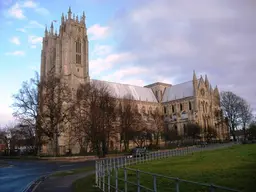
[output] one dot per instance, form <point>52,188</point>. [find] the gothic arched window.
<point>190,106</point>
<point>165,110</point>
<point>173,109</point>
<point>78,52</point>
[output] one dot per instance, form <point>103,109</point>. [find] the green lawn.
<point>233,167</point>
<point>85,184</point>
<point>72,172</point>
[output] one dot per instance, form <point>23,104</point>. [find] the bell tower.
<point>66,52</point>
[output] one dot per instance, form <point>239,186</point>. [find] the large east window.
<point>78,52</point>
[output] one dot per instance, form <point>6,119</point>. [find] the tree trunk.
<point>157,139</point>
<point>56,146</point>
<point>126,145</point>
<point>244,130</point>
<point>104,148</point>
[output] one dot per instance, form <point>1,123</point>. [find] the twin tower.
<point>66,53</point>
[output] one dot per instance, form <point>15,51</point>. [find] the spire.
<point>206,81</point>
<point>194,75</point>
<point>52,29</point>
<point>45,31</point>
<point>216,90</point>
<point>77,18</point>
<point>83,17</point>
<point>62,18</point>
<point>69,13</point>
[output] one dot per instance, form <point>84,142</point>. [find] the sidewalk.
<point>60,184</point>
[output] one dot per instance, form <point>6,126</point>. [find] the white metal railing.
<point>111,173</point>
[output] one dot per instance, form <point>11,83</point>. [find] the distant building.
<point>193,101</point>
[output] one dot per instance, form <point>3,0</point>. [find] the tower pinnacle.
<point>52,29</point>
<point>69,13</point>
<point>45,31</point>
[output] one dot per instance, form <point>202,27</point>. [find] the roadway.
<point>16,177</point>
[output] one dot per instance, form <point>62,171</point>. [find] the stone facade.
<point>195,101</point>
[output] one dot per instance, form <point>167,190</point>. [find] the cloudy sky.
<point>138,42</point>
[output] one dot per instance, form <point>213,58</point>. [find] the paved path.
<point>60,184</point>
<point>15,178</point>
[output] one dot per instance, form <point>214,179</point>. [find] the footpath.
<point>60,183</point>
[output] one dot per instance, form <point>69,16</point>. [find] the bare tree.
<point>158,124</point>
<point>211,133</point>
<point>193,130</point>
<point>3,137</point>
<point>245,115</point>
<point>55,103</point>
<point>231,106</point>
<point>26,107</point>
<point>95,116</point>
<point>171,135</point>
<point>129,118</point>
<point>141,131</point>
<point>252,131</point>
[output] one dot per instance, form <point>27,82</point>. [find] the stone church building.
<point>192,101</point>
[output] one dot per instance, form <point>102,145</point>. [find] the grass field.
<point>72,172</point>
<point>233,167</point>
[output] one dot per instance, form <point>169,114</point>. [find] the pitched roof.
<point>178,91</point>
<point>119,91</point>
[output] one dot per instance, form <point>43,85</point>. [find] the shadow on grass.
<point>85,184</point>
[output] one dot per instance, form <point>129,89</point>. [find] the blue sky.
<point>137,42</point>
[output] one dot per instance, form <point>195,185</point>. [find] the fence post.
<point>211,188</point>
<point>108,180</point>
<point>125,179</point>
<point>154,180</point>
<point>116,178</point>
<point>103,176</point>
<point>177,185</point>
<point>138,180</point>
<point>125,161</point>
<point>96,173</point>
<point>99,178</point>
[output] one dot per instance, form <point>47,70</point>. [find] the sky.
<point>137,42</point>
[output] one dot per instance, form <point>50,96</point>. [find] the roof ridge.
<point>182,83</point>
<point>122,83</point>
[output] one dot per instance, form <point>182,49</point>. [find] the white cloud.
<point>16,53</point>
<point>29,4</point>
<point>21,30</point>
<point>100,50</point>
<point>36,7</point>
<point>34,24</point>
<point>102,64</point>
<point>128,76</point>
<point>33,46</point>
<point>15,40</point>
<point>33,40</point>
<point>97,31</point>
<point>16,11</point>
